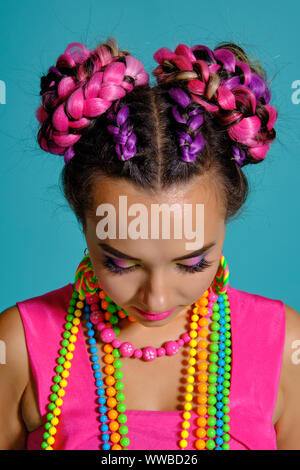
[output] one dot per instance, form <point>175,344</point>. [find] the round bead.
<point>121,407</point>
<point>203,344</point>
<point>110,380</point>
<point>201,422</point>
<point>193,343</point>
<point>203,333</point>
<point>125,441</point>
<point>123,429</point>
<point>126,349</point>
<point>212,410</point>
<point>211,432</point>
<point>202,388</point>
<point>200,444</point>
<point>202,399</point>
<point>202,377</point>
<point>200,432</point>
<point>122,418</point>
<point>202,366</point>
<point>112,414</point>
<point>116,343</point>
<point>110,391</point>
<point>108,359</point>
<point>119,386</point>
<point>107,335</point>
<point>109,370</point>
<point>202,410</point>
<point>149,353</point>
<point>113,425</point>
<point>107,348</point>
<point>120,396</point>
<point>115,437</point>
<point>138,353</point>
<point>210,444</point>
<point>171,348</point>
<point>211,421</point>
<point>183,443</point>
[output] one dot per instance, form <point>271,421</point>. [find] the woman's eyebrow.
<point>119,254</point>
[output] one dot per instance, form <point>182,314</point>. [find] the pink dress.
<point>258,333</point>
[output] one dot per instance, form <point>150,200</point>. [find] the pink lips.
<point>155,316</point>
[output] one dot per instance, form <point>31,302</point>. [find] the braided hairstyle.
<point>208,113</point>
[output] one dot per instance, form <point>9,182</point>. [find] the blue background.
<point>40,239</point>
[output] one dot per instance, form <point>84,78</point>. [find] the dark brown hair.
<point>157,164</point>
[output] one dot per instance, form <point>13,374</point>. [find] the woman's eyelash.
<point>200,266</point>
<point>111,266</point>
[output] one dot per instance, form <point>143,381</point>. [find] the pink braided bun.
<point>240,103</point>
<point>82,86</point>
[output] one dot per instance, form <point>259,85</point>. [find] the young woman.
<point>150,347</point>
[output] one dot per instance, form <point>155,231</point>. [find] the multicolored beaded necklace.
<point>213,370</point>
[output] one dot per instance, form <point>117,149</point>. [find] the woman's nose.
<point>156,293</point>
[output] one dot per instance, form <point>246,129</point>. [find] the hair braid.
<point>227,88</point>
<point>82,86</point>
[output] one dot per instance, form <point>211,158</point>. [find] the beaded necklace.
<point>103,315</point>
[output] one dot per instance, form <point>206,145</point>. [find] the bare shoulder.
<point>13,337</point>
<point>288,425</point>
<point>14,375</point>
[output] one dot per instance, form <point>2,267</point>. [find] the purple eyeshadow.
<point>195,260</point>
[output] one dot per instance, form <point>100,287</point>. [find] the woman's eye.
<point>111,266</point>
<point>195,268</point>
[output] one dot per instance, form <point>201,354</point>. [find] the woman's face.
<point>151,277</point>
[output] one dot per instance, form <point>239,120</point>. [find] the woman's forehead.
<point>200,191</point>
